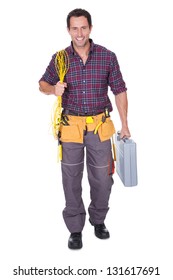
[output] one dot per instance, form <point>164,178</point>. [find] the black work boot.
<point>75,240</point>
<point>100,230</point>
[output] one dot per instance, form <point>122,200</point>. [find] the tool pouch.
<point>71,133</point>
<point>106,130</point>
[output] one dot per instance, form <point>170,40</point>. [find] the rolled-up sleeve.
<point>115,79</point>
<point>50,76</point>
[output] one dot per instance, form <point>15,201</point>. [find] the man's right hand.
<point>60,88</point>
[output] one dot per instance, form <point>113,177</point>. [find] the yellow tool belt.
<point>74,131</point>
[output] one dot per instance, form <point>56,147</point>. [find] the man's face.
<point>79,31</point>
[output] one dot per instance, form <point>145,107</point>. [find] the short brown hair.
<point>79,13</point>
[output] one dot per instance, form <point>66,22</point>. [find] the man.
<point>86,108</point>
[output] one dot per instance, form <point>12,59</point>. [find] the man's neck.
<point>83,51</point>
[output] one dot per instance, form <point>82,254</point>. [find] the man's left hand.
<point>125,133</point>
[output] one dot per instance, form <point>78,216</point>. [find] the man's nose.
<point>79,32</point>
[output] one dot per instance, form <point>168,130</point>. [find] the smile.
<point>80,39</point>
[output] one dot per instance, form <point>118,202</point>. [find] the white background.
<point>140,218</point>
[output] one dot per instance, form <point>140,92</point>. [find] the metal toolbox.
<point>126,161</point>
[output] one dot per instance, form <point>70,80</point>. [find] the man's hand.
<point>125,133</point>
<point>60,88</point>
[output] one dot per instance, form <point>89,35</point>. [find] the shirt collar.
<point>91,47</point>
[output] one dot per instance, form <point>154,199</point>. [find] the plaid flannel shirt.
<point>87,84</point>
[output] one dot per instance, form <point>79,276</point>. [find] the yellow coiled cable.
<point>62,66</point>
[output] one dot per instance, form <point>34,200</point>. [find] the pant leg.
<point>72,172</point>
<point>99,167</point>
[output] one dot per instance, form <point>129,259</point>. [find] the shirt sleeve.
<point>50,76</point>
<point>115,79</point>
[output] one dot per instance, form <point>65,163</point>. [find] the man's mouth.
<point>80,39</point>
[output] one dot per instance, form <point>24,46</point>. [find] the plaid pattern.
<point>87,90</point>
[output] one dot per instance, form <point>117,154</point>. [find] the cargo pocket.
<point>106,130</point>
<point>71,133</point>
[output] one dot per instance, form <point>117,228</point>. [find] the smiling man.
<point>88,128</point>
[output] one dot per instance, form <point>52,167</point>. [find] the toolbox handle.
<point>125,139</point>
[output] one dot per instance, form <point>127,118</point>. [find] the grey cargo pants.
<point>99,164</point>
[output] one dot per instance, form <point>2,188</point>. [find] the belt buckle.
<point>89,120</point>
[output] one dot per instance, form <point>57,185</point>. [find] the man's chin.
<point>80,44</point>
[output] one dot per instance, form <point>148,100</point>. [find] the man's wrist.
<point>125,124</point>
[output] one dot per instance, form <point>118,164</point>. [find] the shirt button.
<point>83,91</point>
<point>83,81</point>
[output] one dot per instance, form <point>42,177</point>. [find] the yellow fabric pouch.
<point>75,130</point>
<point>106,130</point>
<point>71,133</point>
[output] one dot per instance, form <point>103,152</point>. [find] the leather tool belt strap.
<point>72,113</point>
<point>75,127</point>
